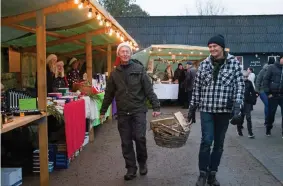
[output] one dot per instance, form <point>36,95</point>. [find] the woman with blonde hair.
<point>60,80</point>
<point>50,70</point>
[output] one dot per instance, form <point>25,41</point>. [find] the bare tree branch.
<point>209,7</point>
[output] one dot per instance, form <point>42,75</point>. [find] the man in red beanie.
<point>131,86</point>
<point>218,92</point>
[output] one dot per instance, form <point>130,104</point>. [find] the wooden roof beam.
<point>52,34</point>
<point>81,51</point>
<point>67,39</point>
<point>61,7</point>
<point>94,47</point>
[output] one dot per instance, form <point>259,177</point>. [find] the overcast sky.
<point>232,7</point>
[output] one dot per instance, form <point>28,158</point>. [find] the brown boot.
<point>131,174</point>
<point>211,180</point>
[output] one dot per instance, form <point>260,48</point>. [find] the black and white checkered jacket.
<point>219,96</point>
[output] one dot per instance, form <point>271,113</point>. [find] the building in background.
<point>253,39</point>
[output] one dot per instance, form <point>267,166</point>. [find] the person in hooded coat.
<point>259,86</point>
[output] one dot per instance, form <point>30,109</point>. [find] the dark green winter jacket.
<point>131,86</point>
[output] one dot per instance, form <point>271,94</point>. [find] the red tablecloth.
<point>74,114</point>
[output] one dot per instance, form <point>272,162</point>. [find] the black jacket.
<point>273,79</point>
<point>250,94</point>
<point>130,86</point>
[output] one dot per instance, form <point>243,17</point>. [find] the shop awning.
<point>66,26</point>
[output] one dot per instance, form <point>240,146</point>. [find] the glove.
<point>192,114</point>
<point>237,117</point>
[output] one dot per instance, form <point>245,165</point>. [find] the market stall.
<point>157,57</point>
<point>68,29</point>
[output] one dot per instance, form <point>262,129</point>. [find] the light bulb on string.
<point>144,50</point>
<point>170,53</point>
<point>180,53</point>
<point>108,24</point>
<point>100,22</point>
<point>81,5</point>
<point>118,34</point>
<point>137,48</point>
<point>110,31</point>
<point>98,17</point>
<point>76,2</point>
<point>122,38</point>
<point>89,13</point>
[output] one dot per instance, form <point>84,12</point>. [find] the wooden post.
<point>88,50</point>
<point>109,69</point>
<point>42,92</point>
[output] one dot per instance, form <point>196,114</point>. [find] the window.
<point>241,60</point>
<point>275,57</point>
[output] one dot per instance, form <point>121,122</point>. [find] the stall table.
<point>166,91</point>
<point>43,137</point>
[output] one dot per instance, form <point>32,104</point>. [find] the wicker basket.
<point>169,133</point>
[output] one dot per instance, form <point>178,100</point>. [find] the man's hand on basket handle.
<point>156,114</point>
<point>102,116</point>
<point>192,114</point>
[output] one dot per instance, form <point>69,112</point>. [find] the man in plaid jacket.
<point>218,92</point>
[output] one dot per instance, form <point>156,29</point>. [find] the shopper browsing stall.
<point>74,74</point>
<point>60,80</point>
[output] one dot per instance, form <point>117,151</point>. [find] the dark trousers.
<point>247,113</point>
<point>190,94</point>
<point>273,103</point>
<point>213,128</point>
<point>133,128</point>
<point>264,99</point>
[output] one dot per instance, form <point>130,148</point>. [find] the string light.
<point>108,24</point>
<point>170,53</point>
<point>76,2</point>
<point>137,49</point>
<point>118,34</point>
<point>122,38</point>
<point>192,52</point>
<point>144,50</point>
<point>89,15</point>
<point>98,17</point>
<point>81,5</point>
<point>110,31</point>
<point>200,53</point>
<point>180,53</point>
<point>100,22</point>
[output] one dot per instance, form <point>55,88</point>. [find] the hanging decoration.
<point>102,21</point>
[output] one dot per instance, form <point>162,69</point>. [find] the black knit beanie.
<point>218,39</point>
<point>271,60</point>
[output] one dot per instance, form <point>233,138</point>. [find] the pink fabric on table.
<point>75,125</point>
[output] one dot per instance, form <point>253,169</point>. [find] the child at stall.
<point>60,80</point>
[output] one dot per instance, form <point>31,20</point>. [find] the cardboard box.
<point>11,176</point>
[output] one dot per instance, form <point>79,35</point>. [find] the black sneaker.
<point>239,131</point>
<point>251,135</point>
<point>131,174</point>
<point>268,132</point>
<point>143,169</point>
<point>201,179</point>
<point>211,179</point>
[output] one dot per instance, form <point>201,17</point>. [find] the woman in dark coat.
<point>74,74</point>
<point>50,72</point>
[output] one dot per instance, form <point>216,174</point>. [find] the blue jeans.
<point>264,99</point>
<point>213,127</point>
